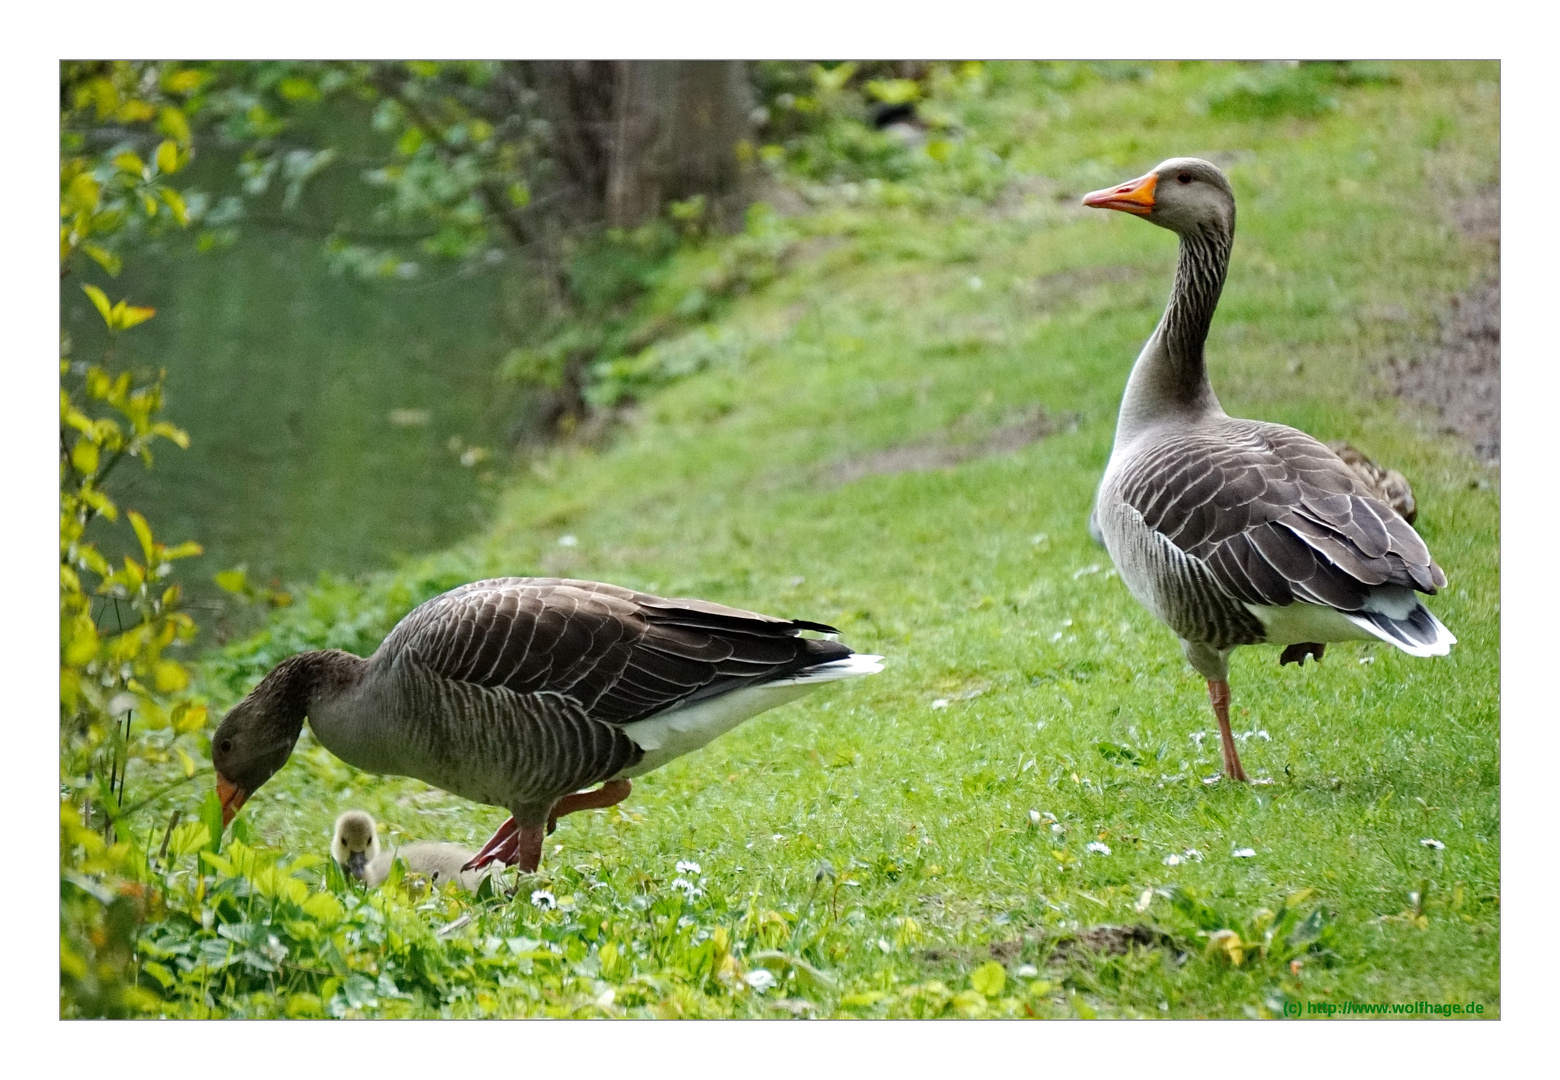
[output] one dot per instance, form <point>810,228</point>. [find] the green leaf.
<point>175,202</point>
<point>989,978</point>
<point>100,301</point>
<point>894,91</point>
<point>211,815</point>
<point>410,142</point>
<point>168,156</point>
<point>132,316</point>
<point>104,258</point>
<point>169,676</point>
<point>183,82</point>
<point>234,581</point>
<point>130,162</point>
<point>143,533</point>
<point>84,456</point>
<point>173,123</point>
<point>297,88</point>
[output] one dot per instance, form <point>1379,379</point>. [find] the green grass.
<point>882,832</point>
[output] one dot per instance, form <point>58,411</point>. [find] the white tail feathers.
<point>853,666</point>
<point>671,734</point>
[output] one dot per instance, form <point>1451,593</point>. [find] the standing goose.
<point>521,692</point>
<point>1237,532</point>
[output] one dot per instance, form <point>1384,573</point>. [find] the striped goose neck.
<point>300,684</point>
<point>1170,376</point>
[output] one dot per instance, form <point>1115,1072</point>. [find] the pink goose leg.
<point>609,794</point>
<point>500,848</point>
<point>515,844</point>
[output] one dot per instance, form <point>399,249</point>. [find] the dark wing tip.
<point>822,628</point>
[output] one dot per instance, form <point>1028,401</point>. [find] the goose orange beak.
<point>1135,196</point>
<point>232,797</point>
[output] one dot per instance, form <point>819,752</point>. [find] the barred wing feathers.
<point>622,655</point>
<point>1275,517</point>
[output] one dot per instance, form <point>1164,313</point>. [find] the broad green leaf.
<point>168,156</point>
<point>130,162</point>
<point>323,907</point>
<point>186,763</point>
<point>100,301</point>
<point>84,456</point>
<point>218,863</point>
<point>989,978</point>
<point>189,838</point>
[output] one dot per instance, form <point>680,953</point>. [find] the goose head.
<point>257,735</point>
<point>1183,194</point>
<point>355,843</point>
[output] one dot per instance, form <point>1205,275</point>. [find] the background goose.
<point>520,692</point>
<point>1388,485</point>
<point>1236,532</point>
<point>354,844</point>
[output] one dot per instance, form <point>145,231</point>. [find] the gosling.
<point>355,847</point>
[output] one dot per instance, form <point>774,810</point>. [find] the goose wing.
<point>1275,516</point>
<point>622,655</point>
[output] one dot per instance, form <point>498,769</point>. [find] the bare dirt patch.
<point>946,448</point>
<point>1095,941</point>
<point>1460,376</point>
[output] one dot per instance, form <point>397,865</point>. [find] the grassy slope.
<point>979,583</point>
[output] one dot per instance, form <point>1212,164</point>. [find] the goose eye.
<point>225,745</point>
<point>1185,178</point>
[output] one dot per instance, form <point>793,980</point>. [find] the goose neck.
<point>1170,378</point>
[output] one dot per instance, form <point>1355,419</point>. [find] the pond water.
<point>332,421</point>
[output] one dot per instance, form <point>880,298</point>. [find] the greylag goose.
<point>1237,532</point>
<point>521,692</point>
<point>354,844</point>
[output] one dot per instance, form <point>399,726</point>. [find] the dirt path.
<point>1460,376</point>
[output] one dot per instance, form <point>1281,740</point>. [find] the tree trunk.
<point>631,135</point>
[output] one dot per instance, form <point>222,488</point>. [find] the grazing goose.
<point>520,692</point>
<point>1236,532</point>
<point>355,846</point>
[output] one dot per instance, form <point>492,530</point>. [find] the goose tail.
<point>1403,621</point>
<point>853,666</point>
